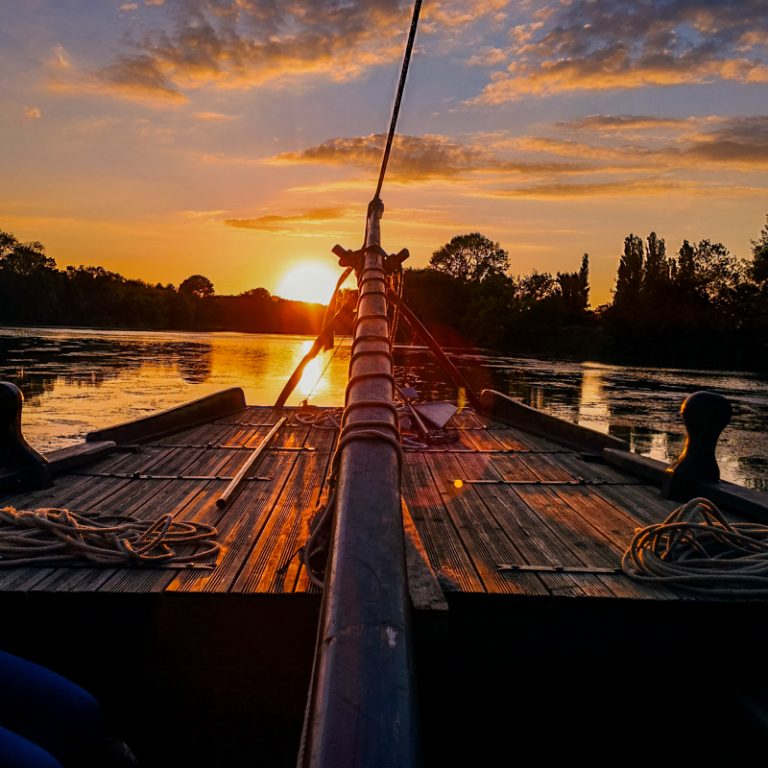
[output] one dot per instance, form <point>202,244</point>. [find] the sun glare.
<point>309,281</point>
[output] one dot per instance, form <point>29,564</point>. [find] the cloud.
<point>619,44</point>
<point>454,14</point>
<point>32,113</point>
<point>416,158</point>
<point>277,223</point>
<point>139,76</point>
<point>741,142</point>
<point>693,143</point>
<point>246,43</point>
<point>216,117</point>
<point>129,7</point>
<point>615,123</point>
<point>238,43</point>
<point>488,57</point>
<point>60,58</point>
<point>625,188</point>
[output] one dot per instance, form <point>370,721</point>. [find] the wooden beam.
<point>167,422</point>
<point>516,414</point>
<point>361,708</point>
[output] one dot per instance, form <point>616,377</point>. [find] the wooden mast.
<point>361,702</point>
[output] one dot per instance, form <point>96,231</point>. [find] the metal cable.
<point>398,95</point>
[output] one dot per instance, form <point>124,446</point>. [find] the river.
<point>75,380</point>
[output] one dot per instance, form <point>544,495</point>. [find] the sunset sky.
<point>238,138</point>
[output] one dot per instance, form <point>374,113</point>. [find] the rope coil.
<point>53,536</point>
<point>697,549</point>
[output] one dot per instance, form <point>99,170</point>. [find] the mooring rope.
<point>698,550</point>
<point>54,536</point>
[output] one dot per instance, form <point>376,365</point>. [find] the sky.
<point>239,139</point>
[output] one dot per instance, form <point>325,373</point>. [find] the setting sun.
<point>309,281</point>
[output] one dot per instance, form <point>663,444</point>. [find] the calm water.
<point>77,380</point>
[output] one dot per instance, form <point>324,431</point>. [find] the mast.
<point>361,710</point>
<point>361,706</point>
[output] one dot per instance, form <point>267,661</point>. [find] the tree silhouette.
<point>760,255</point>
<point>197,287</point>
<point>629,279</point>
<point>471,258</point>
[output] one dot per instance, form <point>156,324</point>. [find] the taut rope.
<point>51,536</point>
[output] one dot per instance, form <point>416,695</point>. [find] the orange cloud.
<point>241,44</point>
<point>277,223</point>
<point>416,158</point>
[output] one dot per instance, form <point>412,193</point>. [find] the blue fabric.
<point>46,709</point>
<point>18,752</point>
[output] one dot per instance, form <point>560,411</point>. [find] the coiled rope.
<point>698,550</point>
<point>53,536</point>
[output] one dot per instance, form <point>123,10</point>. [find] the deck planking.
<point>529,518</point>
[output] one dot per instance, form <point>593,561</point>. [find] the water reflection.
<point>76,380</point>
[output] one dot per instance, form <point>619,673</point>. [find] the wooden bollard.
<point>705,415</point>
<point>19,461</point>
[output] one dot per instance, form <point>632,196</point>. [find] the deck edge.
<point>517,414</point>
<point>175,419</point>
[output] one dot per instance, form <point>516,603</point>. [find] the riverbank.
<point>709,350</point>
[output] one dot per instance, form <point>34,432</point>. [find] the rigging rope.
<point>697,549</point>
<point>53,536</point>
<point>398,96</point>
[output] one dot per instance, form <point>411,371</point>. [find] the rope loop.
<point>53,536</point>
<point>697,549</point>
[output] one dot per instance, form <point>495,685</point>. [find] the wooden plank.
<point>296,532</point>
<point>423,586</point>
<point>198,506</point>
<point>271,565</point>
<point>253,415</point>
<point>482,439</point>
<point>65,459</point>
<point>510,467</point>
<point>449,559</point>
<point>612,522</point>
<point>643,502</point>
<point>537,543</point>
<point>242,524</point>
<point>584,540</point>
<point>467,418</point>
<point>480,533</point>
<point>545,468</point>
<point>591,470</point>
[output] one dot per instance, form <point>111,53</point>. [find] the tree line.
<point>34,292</point>
<point>700,305</point>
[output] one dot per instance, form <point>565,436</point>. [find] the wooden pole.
<point>361,703</point>
<point>237,481</point>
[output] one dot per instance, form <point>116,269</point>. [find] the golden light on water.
<point>313,380</point>
<point>310,281</point>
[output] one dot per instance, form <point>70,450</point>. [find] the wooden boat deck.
<point>514,551</point>
<point>498,512</point>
